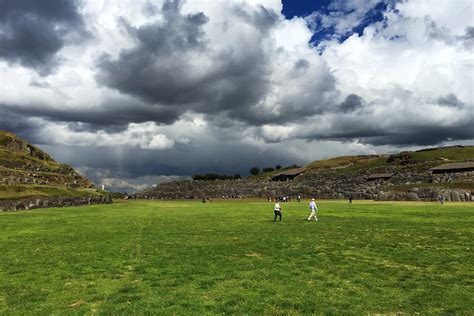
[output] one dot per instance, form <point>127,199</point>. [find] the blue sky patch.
<point>328,8</point>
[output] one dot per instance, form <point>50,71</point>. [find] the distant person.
<point>441,199</point>
<point>299,198</point>
<point>277,211</point>
<point>314,209</point>
<point>350,200</point>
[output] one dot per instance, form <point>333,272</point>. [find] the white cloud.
<point>160,141</point>
<point>144,136</point>
<point>400,69</point>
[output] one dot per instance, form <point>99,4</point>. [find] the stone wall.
<point>45,202</point>
<point>427,194</point>
<point>326,184</point>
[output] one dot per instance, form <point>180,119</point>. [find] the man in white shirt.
<point>314,209</point>
<point>277,211</point>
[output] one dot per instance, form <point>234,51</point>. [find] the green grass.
<point>363,164</point>
<point>270,174</point>
<point>22,191</point>
<point>339,162</point>
<point>160,257</point>
<point>453,153</point>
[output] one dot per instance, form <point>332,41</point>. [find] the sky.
<point>133,93</point>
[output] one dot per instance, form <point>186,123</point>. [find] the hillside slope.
<point>26,172</point>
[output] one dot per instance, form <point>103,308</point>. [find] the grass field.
<point>145,257</point>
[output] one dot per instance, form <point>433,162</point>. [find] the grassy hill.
<point>26,171</point>
<point>426,158</point>
<point>228,257</point>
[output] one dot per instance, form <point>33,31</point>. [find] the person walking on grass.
<point>314,209</point>
<point>277,211</point>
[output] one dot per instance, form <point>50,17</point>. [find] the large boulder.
<point>385,196</point>
<point>455,197</point>
<point>412,196</point>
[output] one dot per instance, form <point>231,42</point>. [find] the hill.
<point>30,178</point>
<point>409,175</point>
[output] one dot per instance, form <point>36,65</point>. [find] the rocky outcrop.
<point>30,178</point>
<point>45,202</point>
<point>24,164</point>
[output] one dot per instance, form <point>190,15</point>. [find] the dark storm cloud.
<point>159,70</point>
<point>18,124</point>
<point>468,38</point>
<point>367,132</point>
<point>352,103</point>
<point>113,115</point>
<point>32,31</point>
<point>150,70</point>
<point>227,158</point>
<point>316,99</point>
<point>450,100</point>
<point>423,135</point>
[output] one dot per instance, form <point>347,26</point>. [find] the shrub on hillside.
<point>254,171</point>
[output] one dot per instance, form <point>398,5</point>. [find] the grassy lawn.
<point>460,153</point>
<point>145,257</point>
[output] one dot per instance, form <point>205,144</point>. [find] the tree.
<point>268,169</point>
<point>278,167</point>
<point>254,171</point>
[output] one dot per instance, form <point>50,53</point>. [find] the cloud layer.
<point>175,87</point>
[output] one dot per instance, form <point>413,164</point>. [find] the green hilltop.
<point>26,171</point>
<point>422,159</point>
